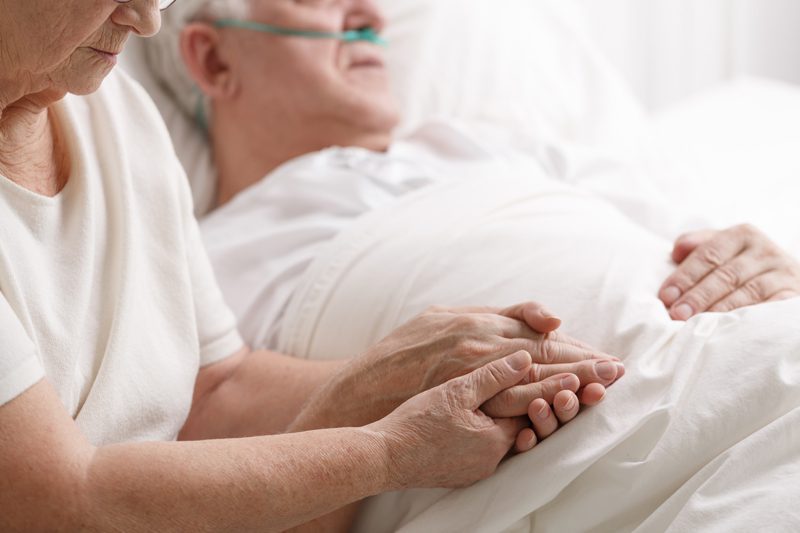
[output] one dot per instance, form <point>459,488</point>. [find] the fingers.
<point>511,428</point>
<point>526,440</point>
<point>592,394</point>
<point>603,372</point>
<point>515,401</point>
<point>723,281</point>
<point>757,290</point>
<point>491,379</point>
<point>688,242</point>
<point>706,258</point>
<point>553,348</point>
<point>535,315</point>
<point>544,421</point>
<point>566,406</point>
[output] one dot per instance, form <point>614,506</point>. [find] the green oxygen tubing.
<point>365,34</point>
<point>362,35</point>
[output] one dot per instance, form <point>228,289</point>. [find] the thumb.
<point>536,316</point>
<point>489,380</point>
<point>688,242</point>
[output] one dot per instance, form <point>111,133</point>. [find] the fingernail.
<point>620,370</point>
<point>519,361</point>
<point>683,312</point>
<point>531,442</point>
<point>671,295</point>
<point>606,371</point>
<point>544,412</point>
<point>570,403</point>
<point>546,313</point>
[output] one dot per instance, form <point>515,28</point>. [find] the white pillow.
<point>522,64</point>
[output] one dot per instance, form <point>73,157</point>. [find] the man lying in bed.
<point>300,121</point>
<point>284,82</point>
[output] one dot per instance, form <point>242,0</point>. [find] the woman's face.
<point>68,45</point>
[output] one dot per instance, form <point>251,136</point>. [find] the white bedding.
<point>703,431</point>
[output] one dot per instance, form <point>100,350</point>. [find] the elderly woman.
<point>116,341</point>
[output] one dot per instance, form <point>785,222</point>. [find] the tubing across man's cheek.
<point>364,35</point>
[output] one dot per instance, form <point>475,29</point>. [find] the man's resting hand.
<point>721,271</point>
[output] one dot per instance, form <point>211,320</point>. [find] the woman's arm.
<point>52,479</point>
<point>253,393</point>
<point>258,393</point>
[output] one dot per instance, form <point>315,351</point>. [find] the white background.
<point>669,49</point>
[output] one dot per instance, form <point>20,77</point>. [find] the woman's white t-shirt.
<point>105,289</point>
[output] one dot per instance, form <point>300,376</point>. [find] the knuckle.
<point>548,352</point>
<point>729,276</point>
<point>464,322</point>
<point>711,256</point>
<point>536,373</point>
<point>434,309</point>
<point>467,345</point>
<point>747,230</point>
<point>754,290</point>
<point>493,374</point>
<point>699,298</point>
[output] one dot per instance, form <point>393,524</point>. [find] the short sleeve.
<point>20,367</point>
<point>216,323</point>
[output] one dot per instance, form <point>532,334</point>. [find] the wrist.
<point>386,447</point>
<point>359,394</point>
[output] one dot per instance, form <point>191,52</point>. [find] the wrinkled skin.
<point>719,271</point>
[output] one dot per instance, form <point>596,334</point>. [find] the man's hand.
<point>441,438</point>
<point>721,271</point>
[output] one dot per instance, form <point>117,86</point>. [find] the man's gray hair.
<point>163,50</point>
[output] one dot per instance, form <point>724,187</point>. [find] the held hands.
<point>721,271</point>
<point>445,343</point>
<point>441,438</point>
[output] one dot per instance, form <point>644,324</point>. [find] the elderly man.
<point>282,85</point>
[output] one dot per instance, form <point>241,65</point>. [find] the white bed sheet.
<point>704,421</point>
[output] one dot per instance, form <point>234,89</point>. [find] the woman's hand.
<point>441,438</point>
<point>721,271</point>
<point>446,343</point>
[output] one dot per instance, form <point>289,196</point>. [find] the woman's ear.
<point>201,49</point>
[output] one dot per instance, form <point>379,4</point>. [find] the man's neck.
<point>242,157</point>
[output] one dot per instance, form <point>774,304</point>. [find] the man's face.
<point>321,83</point>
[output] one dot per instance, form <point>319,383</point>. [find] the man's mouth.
<point>367,62</point>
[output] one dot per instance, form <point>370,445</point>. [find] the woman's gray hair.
<point>163,50</point>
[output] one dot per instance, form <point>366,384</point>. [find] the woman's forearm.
<point>255,393</point>
<point>256,484</point>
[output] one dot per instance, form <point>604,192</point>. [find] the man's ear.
<point>201,49</point>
